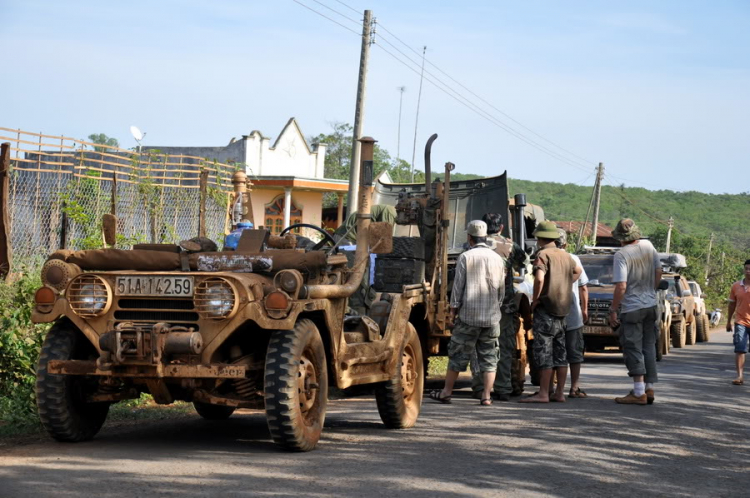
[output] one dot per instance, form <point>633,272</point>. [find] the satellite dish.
<point>136,133</point>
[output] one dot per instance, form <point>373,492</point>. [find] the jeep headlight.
<point>215,298</point>
<point>675,307</point>
<point>89,296</point>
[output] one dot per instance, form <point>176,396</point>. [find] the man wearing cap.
<point>478,287</point>
<point>574,322</point>
<point>515,258</point>
<point>554,275</point>
<point>636,275</point>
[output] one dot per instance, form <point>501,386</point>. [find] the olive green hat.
<point>626,231</point>
<point>546,230</point>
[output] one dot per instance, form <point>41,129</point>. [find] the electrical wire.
<point>339,13</point>
<point>347,6</point>
<point>326,17</point>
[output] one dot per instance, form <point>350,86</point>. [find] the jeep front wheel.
<point>296,386</point>
<point>691,335</point>
<point>62,399</point>
<point>678,334</point>
<point>400,398</point>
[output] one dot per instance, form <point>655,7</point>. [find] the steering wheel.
<point>327,238</point>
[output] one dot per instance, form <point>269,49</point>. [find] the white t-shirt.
<point>574,320</point>
<point>636,264</point>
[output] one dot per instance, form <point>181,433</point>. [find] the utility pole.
<point>401,91</point>
<point>416,121</point>
<point>708,256</point>
<point>359,114</point>
<point>582,230</point>
<point>597,198</point>
<point>670,224</point>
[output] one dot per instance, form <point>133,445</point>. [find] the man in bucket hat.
<point>478,287</point>
<point>554,275</point>
<point>636,275</point>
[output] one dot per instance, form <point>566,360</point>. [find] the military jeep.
<point>264,329</point>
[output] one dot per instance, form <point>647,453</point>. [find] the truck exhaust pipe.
<point>427,168</point>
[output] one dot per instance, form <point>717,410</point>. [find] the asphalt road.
<point>692,442</point>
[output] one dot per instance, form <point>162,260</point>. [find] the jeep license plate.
<point>155,286</point>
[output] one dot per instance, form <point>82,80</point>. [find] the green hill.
<point>694,213</point>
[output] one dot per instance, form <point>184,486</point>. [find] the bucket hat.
<point>626,231</point>
<point>546,230</point>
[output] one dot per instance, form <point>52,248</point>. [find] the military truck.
<point>436,214</point>
<point>258,327</point>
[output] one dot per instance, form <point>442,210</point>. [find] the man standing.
<point>475,310</point>
<point>739,303</point>
<point>574,322</point>
<point>514,258</point>
<point>636,275</point>
<point>554,275</point>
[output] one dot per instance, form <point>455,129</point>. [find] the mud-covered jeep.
<point>264,328</point>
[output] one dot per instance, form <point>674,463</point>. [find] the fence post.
<point>202,208</point>
<point>5,249</point>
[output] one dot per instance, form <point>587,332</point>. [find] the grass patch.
<point>438,365</point>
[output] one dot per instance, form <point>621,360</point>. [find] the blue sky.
<point>658,91</point>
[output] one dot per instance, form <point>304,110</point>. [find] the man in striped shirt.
<point>478,288</point>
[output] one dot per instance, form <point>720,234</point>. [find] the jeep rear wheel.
<point>62,399</point>
<point>400,398</point>
<point>213,412</point>
<point>296,386</point>
<point>678,334</point>
<point>706,328</point>
<point>691,334</point>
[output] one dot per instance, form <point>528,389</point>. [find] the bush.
<point>20,344</point>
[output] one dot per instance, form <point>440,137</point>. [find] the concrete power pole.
<point>670,224</point>
<point>359,114</point>
<point>597,198</point>
<point>708,256</point>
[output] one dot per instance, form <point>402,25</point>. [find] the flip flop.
<point>486,402</point>
<point>436,395</point>
<point>578,393</point>
<point>738,382</point>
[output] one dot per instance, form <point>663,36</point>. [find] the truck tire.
<point>678,334</point>
<point>707,327</point>
<point>700,323</point>
<point>407,247</point>
<point>533,370</point>
<point>691,333</point>
<point>400,398</point>
<point>61,399</point>
<point>213,412</point>
<point>296,386</point>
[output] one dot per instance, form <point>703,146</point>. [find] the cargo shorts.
<point>549,340</point>
<point>574,345</point>
<point>466,340</point>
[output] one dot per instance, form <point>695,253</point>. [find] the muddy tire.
<point>533,370</point>
<point>213,412</point>
<point>407,247</point>
<point>702,324</point>
<point>678,334</point>
<point>400,398</point>
<point>296,386</point>
<point>706,328</point>
<point>691,335</point>
<point>61,399</point>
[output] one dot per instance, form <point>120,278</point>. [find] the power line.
<point>326,17</point>
<point>347,6</point>
<point>337,12</point>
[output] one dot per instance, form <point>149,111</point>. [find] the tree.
<point>103,140</point>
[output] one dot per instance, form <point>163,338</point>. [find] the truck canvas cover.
<point>469,200</point>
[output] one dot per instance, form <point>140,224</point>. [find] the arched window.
<point>274,215</point>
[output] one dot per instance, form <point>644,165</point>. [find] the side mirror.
<point>380,238</point>
<point>663,285</point>
<point>686,293</point>
<point>109,229</point>
<point>703,296</point>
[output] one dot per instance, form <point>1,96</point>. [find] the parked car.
<point>682,304</point>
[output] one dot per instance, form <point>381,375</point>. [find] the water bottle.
<point>231,241</point>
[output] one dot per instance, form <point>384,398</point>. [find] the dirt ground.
<point>692,442</point>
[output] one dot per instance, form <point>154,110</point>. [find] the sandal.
<point>738,382</point>
<point>578,393</point>
<point>436,395</point>
<point>486,402</point>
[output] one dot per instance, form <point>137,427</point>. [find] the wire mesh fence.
<point>60,187</point>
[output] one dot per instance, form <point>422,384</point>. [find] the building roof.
<point>602,230</point>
